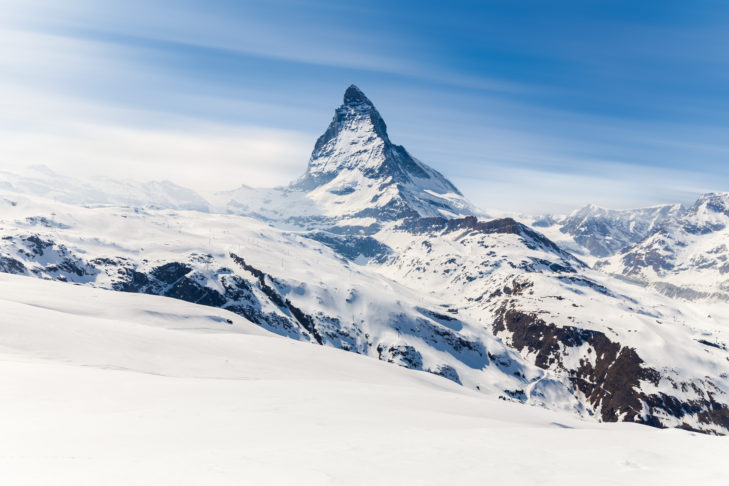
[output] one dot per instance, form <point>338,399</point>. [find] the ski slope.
<point>112,388</point>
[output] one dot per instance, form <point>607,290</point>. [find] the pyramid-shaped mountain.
<point>356,171</point>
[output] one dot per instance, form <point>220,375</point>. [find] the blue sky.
<point>525,105</point>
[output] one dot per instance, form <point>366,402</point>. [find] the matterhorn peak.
<point>357,121</point>
<point>355,160</point>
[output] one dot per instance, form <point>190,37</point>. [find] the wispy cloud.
<point>287,31</point>
<point>620,186</point>
<point>82,139</point>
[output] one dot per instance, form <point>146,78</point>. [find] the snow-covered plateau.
<point>600,316</point>
<point>113,388</point>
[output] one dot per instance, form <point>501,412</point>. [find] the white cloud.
<point>77,138</point>
<point>612,185</point>
<point>40,124</point>
<point>206,158</point>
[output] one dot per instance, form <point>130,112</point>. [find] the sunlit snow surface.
<point>110,388</point>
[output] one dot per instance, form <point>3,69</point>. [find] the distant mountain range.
<point>603,232</point>
<point>679,251</point>
<point>686,256</point>
<point>373,252</point>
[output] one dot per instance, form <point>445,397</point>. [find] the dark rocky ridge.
<point>531,238</point>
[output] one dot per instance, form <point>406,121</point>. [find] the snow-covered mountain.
<point>98,191</point>
<point>373,252</point>
<point>357,177</point>
<point>678,251</point>
<point>687,256</point>
<point>598,232</point>
<point>317,287</point>
<point>355,170</point>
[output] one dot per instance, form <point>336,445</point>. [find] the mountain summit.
<point>355,166</point>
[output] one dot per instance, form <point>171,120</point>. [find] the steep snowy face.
<point>355,140</point>
<point>355,170</point>
<point>687,257</point>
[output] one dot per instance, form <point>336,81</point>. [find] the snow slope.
<point>112,388</point>
<point>286,282</point>
<point>445,296</point>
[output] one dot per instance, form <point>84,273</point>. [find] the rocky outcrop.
<point>609,375</point>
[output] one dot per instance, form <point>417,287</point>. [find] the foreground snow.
<point>112,388</point>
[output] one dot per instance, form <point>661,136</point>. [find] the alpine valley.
<point>611,316</point>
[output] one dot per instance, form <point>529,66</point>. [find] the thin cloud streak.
<point>139,23</point>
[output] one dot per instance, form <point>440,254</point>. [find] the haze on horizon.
<point>524,106</point>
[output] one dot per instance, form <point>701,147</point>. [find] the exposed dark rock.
<point>471,353</point>
<point>129,279</point>
<point>404,355</point>
<point>11,265</point>
<point>191,290</point>
<point>446,371</point>
<point>43,221</point>
<point>352,247</point>
<point>36,245</point>
<point>301,317</point>
<point>170,273</point>
<point>713,345</point>
<point>636,260</point>
<point>518,395</point>
<point>609,376</point>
